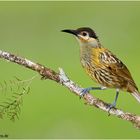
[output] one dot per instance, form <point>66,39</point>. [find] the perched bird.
<point>102,65</point>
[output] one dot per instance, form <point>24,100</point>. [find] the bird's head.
<point>85,36</point>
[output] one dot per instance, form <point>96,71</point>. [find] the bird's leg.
<point>115,101</point>
<point>86,90</point>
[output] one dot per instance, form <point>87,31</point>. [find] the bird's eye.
<point>84,33</point>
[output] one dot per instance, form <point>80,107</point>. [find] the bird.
<point>102,65</point>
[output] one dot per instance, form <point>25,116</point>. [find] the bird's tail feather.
<point>136,95</point>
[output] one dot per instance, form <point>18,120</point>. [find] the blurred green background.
<point>32,30</point>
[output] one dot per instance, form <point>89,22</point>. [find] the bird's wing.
<point>115,66</point>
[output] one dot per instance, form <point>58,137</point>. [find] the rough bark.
<point>62,78</point>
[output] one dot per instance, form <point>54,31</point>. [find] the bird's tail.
<point>136,95</point>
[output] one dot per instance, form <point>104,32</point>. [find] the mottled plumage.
<point>102,65</point>
<point>106,69</point>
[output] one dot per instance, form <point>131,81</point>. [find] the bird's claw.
<point>110,106</point>
<point>84,91</point>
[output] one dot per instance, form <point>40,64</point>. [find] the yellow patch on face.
<point>83,39</point>
<point>86,39</point>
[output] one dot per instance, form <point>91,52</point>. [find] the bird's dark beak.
<point>74,32</point>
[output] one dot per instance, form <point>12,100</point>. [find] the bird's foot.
<point>113,105</point>
<point>85,91</point>
<point>110,106</point>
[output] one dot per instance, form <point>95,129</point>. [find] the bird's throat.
<point>85,55</point>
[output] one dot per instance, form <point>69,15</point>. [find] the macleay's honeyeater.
<point>102,65</point>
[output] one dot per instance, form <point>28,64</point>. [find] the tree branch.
<point>62,79</point>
